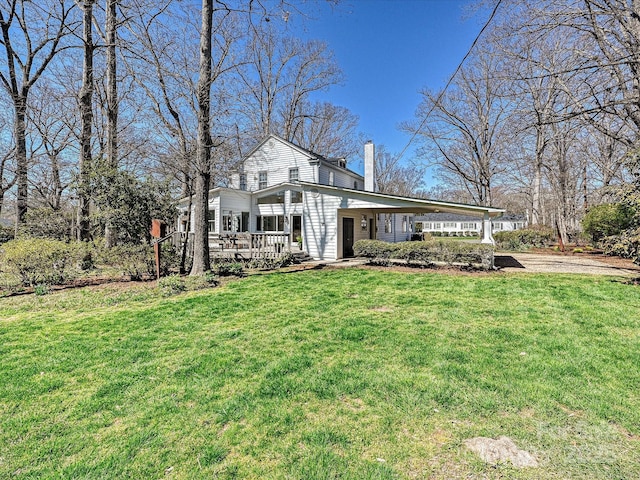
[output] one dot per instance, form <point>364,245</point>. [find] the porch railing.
<point>246,246</point>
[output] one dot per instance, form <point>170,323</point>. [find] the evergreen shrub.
<point>426,253</point>
<point>525,238</point>
<point>41,261</point>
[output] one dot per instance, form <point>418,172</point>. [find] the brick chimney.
<point>369,167</point>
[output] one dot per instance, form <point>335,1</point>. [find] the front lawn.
<point>346,373</point>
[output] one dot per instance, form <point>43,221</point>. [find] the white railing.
<point>242,245</point>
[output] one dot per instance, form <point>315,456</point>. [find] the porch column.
<point>487,237</point>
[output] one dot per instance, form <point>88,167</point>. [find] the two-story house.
<point>284,189</point>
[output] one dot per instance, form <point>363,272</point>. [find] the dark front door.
<point>296,228</point>
<point>347,237</point>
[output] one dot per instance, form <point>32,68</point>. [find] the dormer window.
<point>294,175</point>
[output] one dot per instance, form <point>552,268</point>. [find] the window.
<point>449,224</point>
<point>405,224</point>
<point>497,226</point>
<point>235,222</point>
<point>270,223</point>
<point>437,226</point>
<point>426,226</point>
<point>262,180</point>
<point>388,227</point>
<point>277,197</point>
<point>294,174</point>
<point>228,223</point>
<point>211,221</point>
<point>243,181</point>
<point>469,226</point>
<point>296,197</point>
<point>331,179</point>
<point>355,185</point>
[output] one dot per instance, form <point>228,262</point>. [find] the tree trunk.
<point>20,128</point>
<point>110,234</point>
<point>536,194</point>
<point>201,260</point>
<point>86,112</point>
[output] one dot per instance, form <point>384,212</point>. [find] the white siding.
<point>396,234</point>
<point>341,177</point>
<point>276,158</point>
<point>320,225</point>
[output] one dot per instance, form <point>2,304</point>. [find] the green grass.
<point>351,374</point>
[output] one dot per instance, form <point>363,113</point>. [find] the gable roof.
<point>330,162</point>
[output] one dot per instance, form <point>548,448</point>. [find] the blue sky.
<point>388,51</point>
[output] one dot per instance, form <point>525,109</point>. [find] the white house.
<point>459,225</point>
<point>283,190</point>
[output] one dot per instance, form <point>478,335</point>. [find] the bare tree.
<point>463,128</point>
<point>396,179</point>
<point>326,129</point>
<point>51,144</point>
<point>278,77</point>
<point>201,260</point>
<point>32,34</point>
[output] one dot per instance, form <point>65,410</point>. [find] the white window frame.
<point>263,180</point>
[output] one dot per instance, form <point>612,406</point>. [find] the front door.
<point>296,228</point>
<point>347,237</point>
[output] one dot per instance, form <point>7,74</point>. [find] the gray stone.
<point>501,450</point>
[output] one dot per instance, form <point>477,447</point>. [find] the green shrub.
<point>42,289</point>
<point>525,238</point>
<point>40,261</point>
<point>428,252</point>
<point>136,261</point>
<point>606,220</point>
<point>6,234</point>
<point>227,268</point>
<point>376,250</point>
<point>45,222</point>
<point>199,282</point>
<point>172,285</point>
<point>625,245</point>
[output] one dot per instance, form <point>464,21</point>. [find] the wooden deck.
<point>243,246</point>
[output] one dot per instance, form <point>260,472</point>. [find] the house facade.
<point>459,225</point>
<point>314,203</point>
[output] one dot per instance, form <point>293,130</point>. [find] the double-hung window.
<point>294,174</point>
<point>262,180</point>
<point>211,221</point>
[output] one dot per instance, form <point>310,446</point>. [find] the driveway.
<point>540,263</point>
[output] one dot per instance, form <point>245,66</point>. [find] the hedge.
<point>429,252</point>
<point>524,238</point>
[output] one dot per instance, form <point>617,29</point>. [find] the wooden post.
<point>158,231</point>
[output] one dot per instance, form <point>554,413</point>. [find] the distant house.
<point>285,197</point>
<point>460,225</point>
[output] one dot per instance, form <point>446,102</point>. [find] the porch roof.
<point>396,203</point>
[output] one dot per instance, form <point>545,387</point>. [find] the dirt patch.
<point>563,263</point>
<point>501,450</point>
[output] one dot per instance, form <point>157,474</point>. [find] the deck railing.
<point>246,246</point>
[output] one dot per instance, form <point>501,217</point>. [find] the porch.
<point>243,246</point>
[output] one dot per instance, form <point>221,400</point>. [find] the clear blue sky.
<point>388,51</point>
